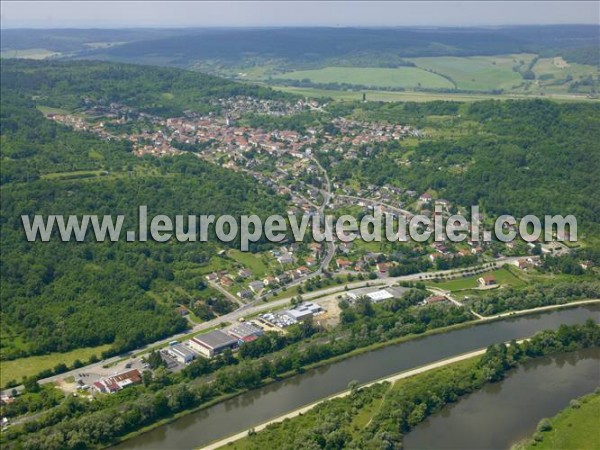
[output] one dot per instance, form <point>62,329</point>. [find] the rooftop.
<point>214,339</point>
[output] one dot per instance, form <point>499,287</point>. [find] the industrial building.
<point>181,353</point>
<point>244,332</point>
<point>377,295</point>
<point>304,311</point>
<point>118,381</point>
<point>213,343</point>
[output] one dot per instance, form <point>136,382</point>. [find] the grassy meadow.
<point>400,77</point>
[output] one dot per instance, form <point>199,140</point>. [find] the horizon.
<point>341,27</point>
<point>55,15</point>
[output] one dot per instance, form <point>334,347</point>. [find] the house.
<point>226,282</point>
<point>585,265</point>
<point>212,276</point>
<point>244,294</point>
<point>383,267</point>
<point>477,250</point>
<point>440,248</point>
<point>269,281</point>
<point>435,299</point>
<point>283,278</point>
<point>425,198</point>
<point>245,273</point>
<point>315,247</point>
<point>345,247</point>
<point>520,263</point>
<point>256,286</point>
<point>302,270</point>
<point>213,343</point>
<point>286,258</point>
<point>433,257</point>
<point>343,264</point>
<point>487,280</point>
<point>310,262</point>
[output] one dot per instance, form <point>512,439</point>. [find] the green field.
<point>30,53</point>
<point>50,110</point>
<point>572,428</point>
<point>503,277</point>
<point>473,73</point>
<point>32,365</point>
<point>477,73</point>
<point>252,261</point>
<point>401,77</point>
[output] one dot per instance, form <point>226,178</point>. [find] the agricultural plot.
<point>401,77</point>
<point>478,73</point>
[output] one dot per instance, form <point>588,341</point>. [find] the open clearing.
<point>30,53</point>
<point>503,277</point>
<point>478,73</point>
<point>401,77</point>
<point>31,365</point>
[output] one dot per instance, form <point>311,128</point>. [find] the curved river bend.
<point>504,413</point>
<point>260,405</point>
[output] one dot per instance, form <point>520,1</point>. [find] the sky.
<point>138,14</point>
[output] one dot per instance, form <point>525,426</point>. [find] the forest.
<point>314,47</point>
<point>161,91</point>
<point>520,157</point>
<point>60,296</point>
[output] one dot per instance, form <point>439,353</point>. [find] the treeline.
<point>510,299</point>
<point>526,157</point>
<point>33,145</point>
<point>302,45</point>
<point>57,296</point>
<point>402,406</point>
<point>333,86</point>
<point>65,295</point>
<point>161,91</point>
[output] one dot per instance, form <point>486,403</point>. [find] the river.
<point>260,405</point>
<point>504,413</point>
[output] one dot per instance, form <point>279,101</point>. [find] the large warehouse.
<point>213,343</point>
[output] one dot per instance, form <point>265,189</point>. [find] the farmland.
<point>401,77</point>
<point>478,73</point>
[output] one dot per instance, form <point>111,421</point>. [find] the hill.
<point>61,296</point>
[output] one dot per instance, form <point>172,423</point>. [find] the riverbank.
<point>141,437</point>
<point>304,409</point>
<point>573,428</point>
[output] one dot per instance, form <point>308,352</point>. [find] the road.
<point>252,309</point>
<point>226,293</point>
